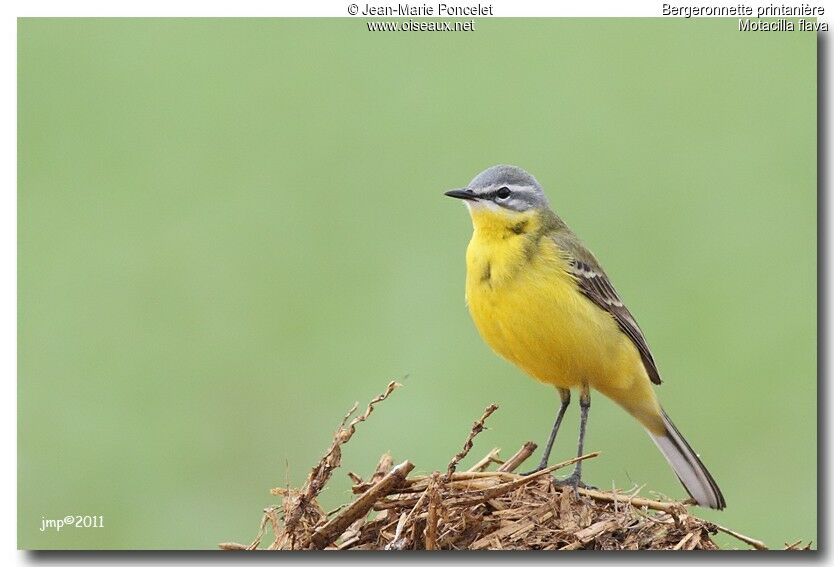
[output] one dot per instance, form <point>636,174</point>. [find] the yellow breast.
<point>527,307</point>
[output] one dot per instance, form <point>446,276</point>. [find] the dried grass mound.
<point>475,509</point>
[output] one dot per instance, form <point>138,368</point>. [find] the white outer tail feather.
<point>690,470</point>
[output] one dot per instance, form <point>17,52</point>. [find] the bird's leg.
<point>575,479</point>
<point>564,393</point>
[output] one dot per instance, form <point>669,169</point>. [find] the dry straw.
<point>475,509</point>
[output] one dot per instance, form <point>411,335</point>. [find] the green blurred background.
<point>231,230</point>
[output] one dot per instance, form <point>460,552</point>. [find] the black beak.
<point>467,194</point>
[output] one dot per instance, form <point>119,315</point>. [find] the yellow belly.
<point>530,312</point>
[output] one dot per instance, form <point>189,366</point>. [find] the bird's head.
<point>502,192</point>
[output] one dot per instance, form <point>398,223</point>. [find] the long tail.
<point>690,470</point>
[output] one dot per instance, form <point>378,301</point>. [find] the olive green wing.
<point>595,285</point>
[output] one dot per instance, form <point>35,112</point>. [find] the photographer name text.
<point>402,10</point>
<point>71,520</point>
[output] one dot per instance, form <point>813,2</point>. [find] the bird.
<point>540,299</point>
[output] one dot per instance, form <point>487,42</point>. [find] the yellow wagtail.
<point>541,300</point>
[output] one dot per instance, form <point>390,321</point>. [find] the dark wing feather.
<point>596,286</point>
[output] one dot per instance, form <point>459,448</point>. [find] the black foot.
<point>573,481</point>
<point>534,471</point>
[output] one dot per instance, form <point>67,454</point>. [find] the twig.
<point>232,546</point>
<point>520,456</point>
<point>330,531</point>
<point>348,542</point>
<point>382,468</point>
<point>346,434</point>
<point>417,506</point>
<point>683,541</point>
<point>398,543</point>
<point>496,491</point>
<point>668,507</point>
<point>322,472</point>
<point>491,457</point>
<point>592,531</point>
<point>477,427</point>
<point>419,483</point>
<point>466,475</point>
<point>536,517</point>
<point>488,493</point>
<point>432,517</point>
<point>271,513</point>
<point>269,516</point>
<point>796,546</point>
<point>749,540</point>
<point>350,412</point>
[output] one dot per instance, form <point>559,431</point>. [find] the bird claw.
<point>573,481</point>
<point>534,471</point>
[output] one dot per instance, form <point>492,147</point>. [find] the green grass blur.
<point>231,230</point>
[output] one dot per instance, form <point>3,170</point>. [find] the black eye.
<point>503,193</point>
